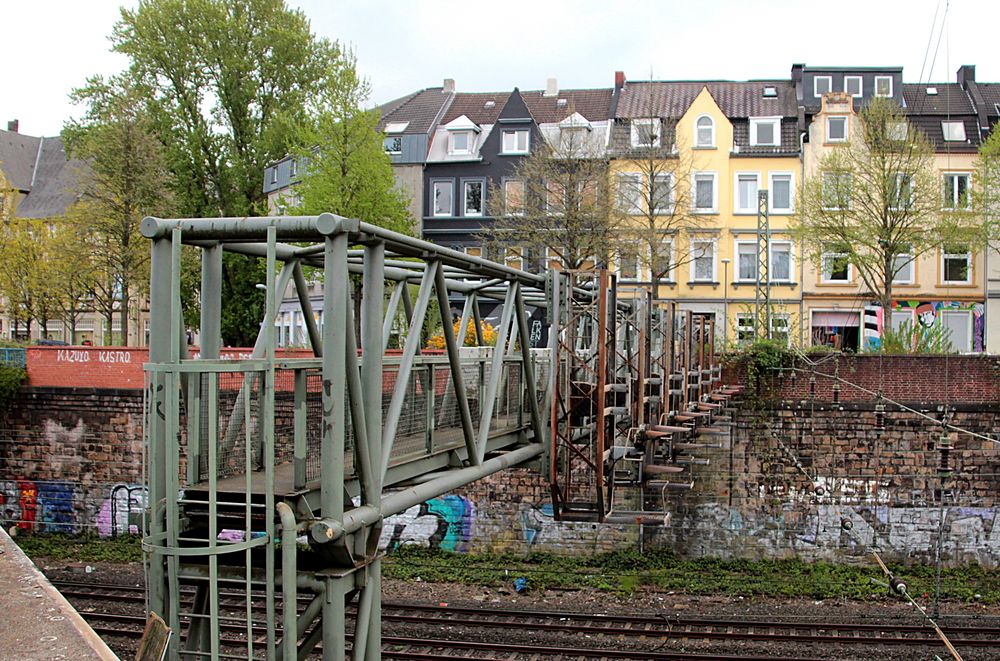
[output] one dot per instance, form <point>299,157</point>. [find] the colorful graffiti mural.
<point>924,314</point>
<point>118,512</point>
<point>39,506</point>
<point>441,523</point>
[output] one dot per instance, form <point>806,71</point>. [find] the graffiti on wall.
<point>924,314</point>
<point>40,506</point>
<point>118,512</point>
<point>441,523</point>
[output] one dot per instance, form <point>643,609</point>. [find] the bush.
<point>11,379</point>
<point>916,338</point>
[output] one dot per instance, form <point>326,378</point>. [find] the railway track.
<point>635,630</point>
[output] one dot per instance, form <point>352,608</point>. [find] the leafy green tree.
<point>987,189</point>
<point>877,199</point>
<point>126,179</point>
<point>22,262</point>
<point>227,83</point>
<point>347,171</point>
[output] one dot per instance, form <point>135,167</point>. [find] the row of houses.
<point>451,150</point>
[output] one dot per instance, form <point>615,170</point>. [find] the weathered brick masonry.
<point>83,447</point>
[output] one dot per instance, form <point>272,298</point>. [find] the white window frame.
<point>452,150</point>
<point>879,79</point>
<point>669,278</point>
<point>847,128</point>
<point>386,147</point>
<point>945,256</point>
<point>714,176</point>
<point>829,84</point>
<point>954,202</point>
<point>633,206</point>
<point>443,182</point>
<point>775,123</point>
<point>737,275</point>
<point>620,260</point>
<point>752,208</point>
<point>654,129</point>
<point>274,174</point>
<point>293,168</point>
<point>949,135</point>
<point>745,323</point>
<point>967,315</point>
<point>697,133</point>
<point>465,197</point>
<point>669,183</point>
<point>516,133</point>
<point>823,270</point>
<point>506,196</point>
<point>791,192</point>
<point>787,319</point>
<point>861,86</point>
<point>911,265</point>
<point>694,259</point>
<point>791,261</point>
<point>899,313</point>
<point>900,176</point>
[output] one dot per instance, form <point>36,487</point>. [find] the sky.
<point>407,45</point>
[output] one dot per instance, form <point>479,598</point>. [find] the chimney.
<point>449,85</point>
<point>619,79</point>
<point>797,71</point>
<point>12,125</point>
<point>552,87</point>
<point>966,75</point>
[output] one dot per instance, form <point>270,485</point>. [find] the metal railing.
<point>13,357</point>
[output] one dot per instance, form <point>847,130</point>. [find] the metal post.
<point>762,308</point>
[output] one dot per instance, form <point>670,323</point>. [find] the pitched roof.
<point>419,109</point>
<point>736,99</point>
<point>43,174</point>
<point>593,104</point>
<point>480,107</point>
<point>991,95</point>
<point>18,153</point>
<point>950,99</point>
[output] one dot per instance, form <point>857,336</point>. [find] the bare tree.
<point>875,203</point>
<point>557,206</point>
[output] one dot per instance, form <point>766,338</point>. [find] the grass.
<point>621,572</point>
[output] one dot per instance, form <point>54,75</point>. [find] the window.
<point>836,129</point>
<point>836,191</point>
<point>853,86</point>
<point>883,85</point>
<point>459,142</point>
<point>959,325</point>
<point>744,328</point>
<point>512,258</point>
<point>822,85</point>
<point>443,197</point>
<point>663,262</point>
<point>393,144</point>
<point>274,174</point>
<point>555,197</point>
<point>663,194</point>
<point>703,260</point>
<point>780,328</point>
<point>836,265</point>
<point>515,141</point>
<point>765,131</point>
<point>746,261</point>
<point>900,317</point>
<point>572,140</point>
<point>294,168</point>
<point>473,198</point>
<point>746,192</point>
<point>902,268</point>
<point>704,132</point>
<point>780,266</point>
<point>630,193</point>
<point>901,193</point>
<point>770,91</point>
<point>782,193</point>
<point>956,190</point>
<point>953,131</point>
<point>627,262</point>
<point>513,195</point>
<point>897,131</point>
<point>704,192</point>
<point>645,132</point>
<point>956,265</point>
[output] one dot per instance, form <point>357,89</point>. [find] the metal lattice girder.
<point>762,298</point>
<point>322,464</point>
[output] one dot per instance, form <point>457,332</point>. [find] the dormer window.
<point>393,144</point>
<point>460,142</point>
<point>822,85</point>
<point>853,86</point>
<point>515,141</point>
<point>765,131</point>
<point>704,132</point>
<point>953,131</point>
<point>883,85</point>
<point>770,91</point>
<point>645,132</point>
<point>572,139</point>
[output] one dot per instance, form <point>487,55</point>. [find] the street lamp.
<point>725,299</point>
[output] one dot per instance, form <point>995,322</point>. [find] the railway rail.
<point>631,630</point>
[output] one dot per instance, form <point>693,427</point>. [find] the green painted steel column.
<point>210,333</point>
<point>334,335</point>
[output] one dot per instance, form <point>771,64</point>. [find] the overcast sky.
<point>51,46</point>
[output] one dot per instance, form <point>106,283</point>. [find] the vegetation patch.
<point>82,548</point>
<point>11,379</point>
